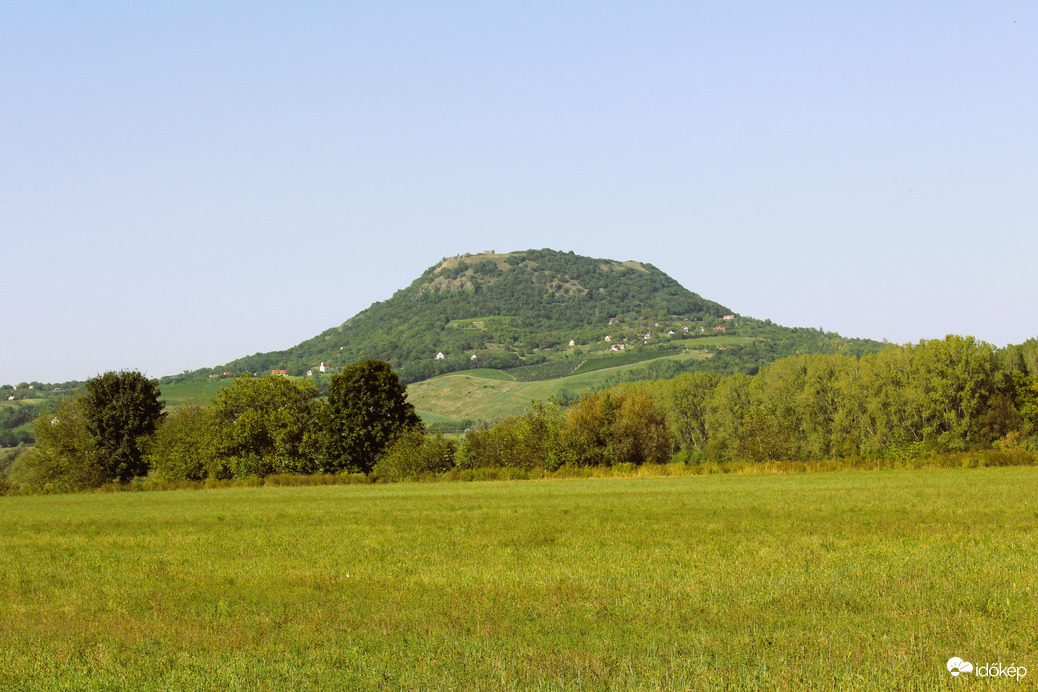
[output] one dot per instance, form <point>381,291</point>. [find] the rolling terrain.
<point>454,401</point>
<point>523,326</point>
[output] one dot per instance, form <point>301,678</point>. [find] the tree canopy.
<point>268,425</point>
<point>954,395</point>
<point>368,408</point>
<point>100,435</point>
<point>121,410</point>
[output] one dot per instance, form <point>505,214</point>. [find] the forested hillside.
<point>21,403</point>
<point>523,308</point>
<point>506,309</point>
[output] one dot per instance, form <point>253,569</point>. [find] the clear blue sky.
<point>184,183</point>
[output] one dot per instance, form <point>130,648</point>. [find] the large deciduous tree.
<point>267,425</point>
<point>369,408</point>
<point>121,411</point>
<point>99,435</point>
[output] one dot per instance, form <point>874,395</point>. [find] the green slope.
<point>473,396</point>
<point>508,309</point>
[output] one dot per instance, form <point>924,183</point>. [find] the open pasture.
<point>850,580</point>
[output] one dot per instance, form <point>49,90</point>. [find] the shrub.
<point>414,454</point>
<point>184,445</point>
<point>531,441</point>
<point>612,428</point>
<point>65,457</point>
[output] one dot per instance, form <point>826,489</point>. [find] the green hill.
<point>524,325</point>
<point>539,308</point>
<point>512,328</point>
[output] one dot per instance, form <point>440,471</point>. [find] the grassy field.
<point>472,395</point>
<point>853,580</point>
<point>436,422</point>
<point>197,392</point>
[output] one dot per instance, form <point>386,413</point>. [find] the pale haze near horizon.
<point>185,184</point>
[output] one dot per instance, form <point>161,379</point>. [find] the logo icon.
<point>956,665</point>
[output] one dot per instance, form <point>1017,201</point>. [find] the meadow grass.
<point>849,580</point>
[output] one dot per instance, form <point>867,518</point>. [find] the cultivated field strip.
<point>545,371</point>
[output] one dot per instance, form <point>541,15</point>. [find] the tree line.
<point>950,395</point>
<point>116,429</point>
<point>946,395</point>
<point>939,396</point>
